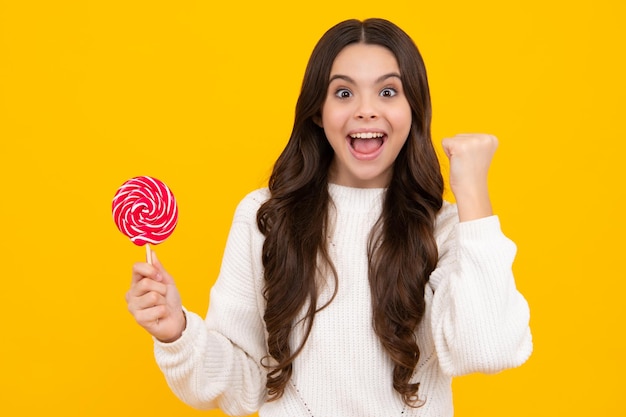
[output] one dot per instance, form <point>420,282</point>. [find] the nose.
<point>366,110</point>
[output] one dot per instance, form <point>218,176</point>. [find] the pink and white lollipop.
<point>144,209</point>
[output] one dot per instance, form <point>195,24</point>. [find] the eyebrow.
<point>378,80</point>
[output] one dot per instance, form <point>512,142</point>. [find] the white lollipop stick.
<point>148,254</point>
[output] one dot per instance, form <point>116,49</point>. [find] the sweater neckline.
<point>355,199</point>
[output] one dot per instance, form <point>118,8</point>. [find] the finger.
<point>149,317</point>
<point>149,285</point>
<point>137,306</point>
<point>143,270</point>
<point>445,144</point>
<point>141,289</point>
<point>162,275</point>
<point>148,300</point>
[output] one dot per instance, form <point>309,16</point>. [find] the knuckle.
<point>132,309</point>
<point>153,298</point>
<point>143,285</point>
<point>162,310</point>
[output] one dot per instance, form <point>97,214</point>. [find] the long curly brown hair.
<point>402,249</point>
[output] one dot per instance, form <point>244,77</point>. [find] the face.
<point>366,116</point>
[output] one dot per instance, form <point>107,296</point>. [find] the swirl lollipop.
<point>144,209</point>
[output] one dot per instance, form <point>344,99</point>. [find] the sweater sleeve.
<point>216,363</point>
<point>480,321</point>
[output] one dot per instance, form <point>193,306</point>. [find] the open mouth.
<point>366,145</point>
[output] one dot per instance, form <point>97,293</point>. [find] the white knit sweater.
<point>475,321</point>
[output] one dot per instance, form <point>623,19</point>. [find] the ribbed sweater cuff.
<point>185,342</point>
<point>479,229</point>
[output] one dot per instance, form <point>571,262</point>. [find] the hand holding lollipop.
<point>144,209</point>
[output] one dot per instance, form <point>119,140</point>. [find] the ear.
<point>317,119</point>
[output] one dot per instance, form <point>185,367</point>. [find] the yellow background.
<point>201,95</point>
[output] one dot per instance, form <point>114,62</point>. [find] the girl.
<point>348,287</point>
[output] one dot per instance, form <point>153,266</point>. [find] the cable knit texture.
<point>475,321</point>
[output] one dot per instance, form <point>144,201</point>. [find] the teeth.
<point>368,135</point>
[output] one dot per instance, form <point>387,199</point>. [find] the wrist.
<point>473,204</point>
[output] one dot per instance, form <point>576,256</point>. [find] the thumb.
<point>162,275</point>
<point>446,146</point>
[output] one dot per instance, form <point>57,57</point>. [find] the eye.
<point>343,93</point>
<point>388,92</point>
